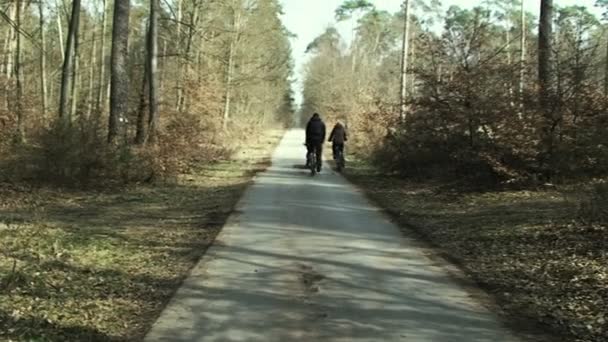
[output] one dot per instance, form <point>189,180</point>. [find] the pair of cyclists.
<point>315,137</point>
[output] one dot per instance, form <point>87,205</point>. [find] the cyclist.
<point>338,137</point>
<point>315,136</point>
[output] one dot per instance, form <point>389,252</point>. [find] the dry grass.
<point>100,266</point>
<point>527,248</point>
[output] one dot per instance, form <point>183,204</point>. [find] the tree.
<point>375,35</point>
<point>67,76</point>
<point>178,30</point>
<point>152,65</point>
<point>604,5</point>
<point>505,14</point>
<point>350,7</point>
<point>346,11</point>
<point>92,65</point>
<point>76,79</point>
<point>119,87</point>
<point>404,57</point>
<point>522,55</point>
<point>545,47</point>
<point>141,128</point>
<point>43,71</point>
<point>19,5</point>
<point>59,28</point>
<point>576,53</point>
<point>102,57</point>
<point>235,36</point>
<point>11,39</point>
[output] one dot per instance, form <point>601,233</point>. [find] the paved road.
<point>309,259</point>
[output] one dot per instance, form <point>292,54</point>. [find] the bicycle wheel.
<point>339,161</point>
<point>312,163</point>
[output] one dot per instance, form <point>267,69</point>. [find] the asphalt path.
<point>310,259</point>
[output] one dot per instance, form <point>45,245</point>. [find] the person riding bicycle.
<point>315,137</point>
<point>338,137</point>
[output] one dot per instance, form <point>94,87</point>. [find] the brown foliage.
<point>185,140</point>
<point>79,156</point>
<point>468,127</point>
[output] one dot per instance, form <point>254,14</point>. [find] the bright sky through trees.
<point>309,18</point>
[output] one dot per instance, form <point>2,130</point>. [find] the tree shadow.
<point>29,328</point>
<point>309,259</point>
<point>129,251</point>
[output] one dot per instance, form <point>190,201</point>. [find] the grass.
<point>100,266</point>
<point>527,248</point>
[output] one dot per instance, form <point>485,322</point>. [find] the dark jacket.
<point>315,131</point>
<point>338,134</point>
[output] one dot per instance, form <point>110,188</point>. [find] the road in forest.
<point>310,259</point>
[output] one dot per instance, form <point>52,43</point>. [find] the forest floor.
<point>100,266</point>
<point>527,248</point>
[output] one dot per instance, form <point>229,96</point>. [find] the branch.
<point>16,27</point>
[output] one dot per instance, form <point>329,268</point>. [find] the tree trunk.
<point>439,79</point>
<point>545,80</point>
<point>606,72</point>
<point>51,91</point>
<point>178,28</point>
<point>152,66</point>
<point>7,63</point>
<point>12,37</point>
<point>108,88</point>
<point>404,56</point>
<point>412,80</point>
<point>76,79</point>
<point>161,81</point>
<point>228,94</point>
<point>102,58</point>
<point>579,75</point>
<point>43,81</point>
<point>230,69</point>
<point>192,25</point>
<point>4,51</point>
<point>199,58</point>
<point>19,76</point>
<point>140,133</point>
<point>545,40</point>
<point>92,63</point>
<point>68,65</point>
<point>509,62</point>
<point>508,44</point>
<point>522,59</point>
<point>558,73</point>
<point>60,31</point>
<point>119,84</point>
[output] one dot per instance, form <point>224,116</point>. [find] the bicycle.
<point>340,162</point>
<point>311,161</point>
<point>338,152</point>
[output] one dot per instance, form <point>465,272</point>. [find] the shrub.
<point>79,155</point>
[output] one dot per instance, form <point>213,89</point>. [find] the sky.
<point>309,18</point>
